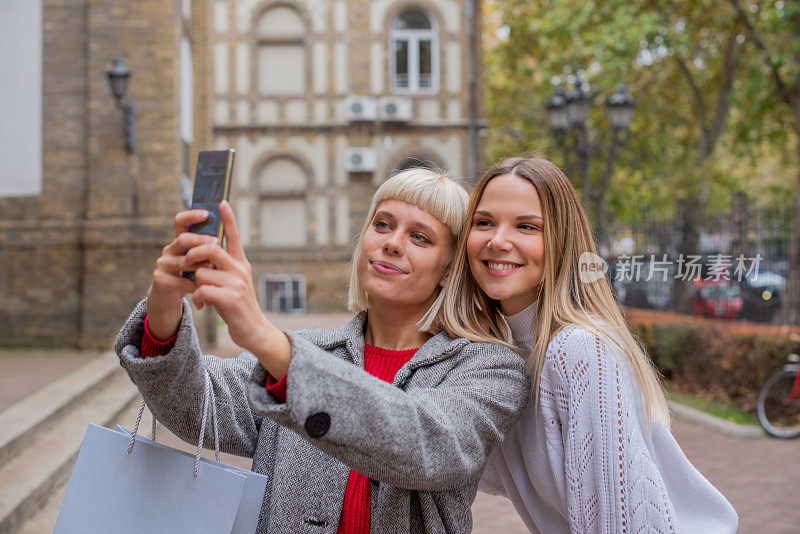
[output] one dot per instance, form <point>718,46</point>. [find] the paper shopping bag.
<point>152,490</point>
<point>124,483</point>
<point>252,497</point>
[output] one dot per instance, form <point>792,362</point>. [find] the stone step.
<point>46,461</point>
<point>45,519</point>
<point>21,422</point>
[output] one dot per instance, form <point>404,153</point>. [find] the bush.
<point>721,361</point>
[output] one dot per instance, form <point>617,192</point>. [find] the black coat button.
<point>317,424</point>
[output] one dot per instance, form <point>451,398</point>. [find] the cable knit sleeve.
<point>612,483</point>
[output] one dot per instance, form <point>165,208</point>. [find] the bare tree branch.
<point>723,97</point>
<point>696,93</point>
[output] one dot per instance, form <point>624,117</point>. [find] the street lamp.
<point>620,109</point>
<point>579,102</point>
<point>569,112</point>
<point>118,77</point>
<point>556,107</point>
<point>568,115</point>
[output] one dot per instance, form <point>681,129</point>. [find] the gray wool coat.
<point>422,440</point>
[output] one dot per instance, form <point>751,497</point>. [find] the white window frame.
<point>287,280</point>
<point>413,37</point>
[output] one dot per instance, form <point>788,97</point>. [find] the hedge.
<point>722,361</point>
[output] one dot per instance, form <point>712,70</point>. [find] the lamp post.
<point>620,109</point>
<point>568,115</point>
<point>118,77</point>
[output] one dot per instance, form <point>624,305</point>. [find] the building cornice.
<point>342,129</point>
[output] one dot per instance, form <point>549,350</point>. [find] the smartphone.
<point>212,185</point>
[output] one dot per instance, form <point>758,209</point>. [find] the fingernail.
<point>225,204</point>
<point>212,240</point>
<point>204,213</point>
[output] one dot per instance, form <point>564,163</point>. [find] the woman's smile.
<point>498,268</point>
<point>384,267</point>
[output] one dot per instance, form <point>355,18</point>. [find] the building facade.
<point>322,101</point>
<point>81,219</point>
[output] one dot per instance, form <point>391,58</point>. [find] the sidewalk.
<point>760,477</point>
<point>23,371</point>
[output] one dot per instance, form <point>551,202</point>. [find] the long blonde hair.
<point>563,298</point>
<point>432,191</point>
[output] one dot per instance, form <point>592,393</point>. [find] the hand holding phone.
<point>201,225</point>
<point>168,286</point>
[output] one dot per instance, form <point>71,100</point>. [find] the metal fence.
<point>740,269</point>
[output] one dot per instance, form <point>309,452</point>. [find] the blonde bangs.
<point>432,191</point>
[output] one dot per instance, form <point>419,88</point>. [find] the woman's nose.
<point>499,241</point>
<point>392,245</point>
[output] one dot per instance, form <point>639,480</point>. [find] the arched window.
<point>281,52</point>
<point>414,51</point>
<point>282,203</point>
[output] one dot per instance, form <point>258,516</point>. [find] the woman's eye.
<point>421,238</point>
<point>528,227</point>
<point>482,222</point>
<point>381,225</point>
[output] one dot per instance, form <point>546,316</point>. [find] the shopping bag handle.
<point>208,399</point>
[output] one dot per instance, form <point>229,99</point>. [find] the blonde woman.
<point>593,451</point>
<point>381,425</point>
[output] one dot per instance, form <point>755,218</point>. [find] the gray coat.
<point>423,440</point>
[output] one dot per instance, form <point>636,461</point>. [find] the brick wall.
<point>74,260</point>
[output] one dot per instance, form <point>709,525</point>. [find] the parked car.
<point>639,292</point>
<point>762,296</point>
<point>721,300</point>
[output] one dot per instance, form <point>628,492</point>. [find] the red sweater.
<point>380,363</point>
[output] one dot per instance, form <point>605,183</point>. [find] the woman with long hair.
<point>381,425</point>
<point>593,451</point>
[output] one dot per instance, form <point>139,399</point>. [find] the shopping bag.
<point>126,484</point>
<point>250,505</point>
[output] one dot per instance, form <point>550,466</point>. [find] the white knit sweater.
<point>584,461</point>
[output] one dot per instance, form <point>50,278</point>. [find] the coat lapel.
<point>351,336</point>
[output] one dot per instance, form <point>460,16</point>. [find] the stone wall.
<point>75,259</point>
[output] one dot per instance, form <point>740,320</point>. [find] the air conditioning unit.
<point>395,109</point>
<point>360,108</point>
<point>360,160</point>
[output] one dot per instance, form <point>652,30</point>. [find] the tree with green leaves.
<point>681,60</point>
<point>773,29</point>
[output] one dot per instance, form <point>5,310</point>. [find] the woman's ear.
<point>447,271</point>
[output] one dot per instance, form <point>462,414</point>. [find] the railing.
<point>740,269</point>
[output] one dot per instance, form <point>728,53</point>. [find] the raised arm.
<point>427,438</point>
<point>612,483</point>
<point>173,385</point>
